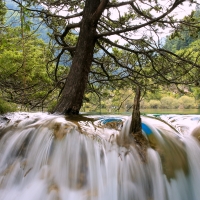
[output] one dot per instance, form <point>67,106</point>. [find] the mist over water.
<point>52,157</point>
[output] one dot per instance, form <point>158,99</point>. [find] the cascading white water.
<point>49,157</point>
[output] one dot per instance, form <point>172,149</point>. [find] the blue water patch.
<point>146,129</point>
<point>107,120</point>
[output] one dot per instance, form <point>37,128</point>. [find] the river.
<point>53,157</point>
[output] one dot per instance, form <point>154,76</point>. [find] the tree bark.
<point>136,120</point>
<point>140,141</point>
<point>75,85</point>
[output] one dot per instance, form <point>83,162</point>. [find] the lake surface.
<point>152,111</point>
<point>170,111</point>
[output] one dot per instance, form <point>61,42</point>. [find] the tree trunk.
<point>140,141</point>
<point>136,120</point>
<point>75,85</point>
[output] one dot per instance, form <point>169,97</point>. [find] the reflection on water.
<point>51,157</point>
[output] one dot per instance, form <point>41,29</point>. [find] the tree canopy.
<point>185,36</point>
<point>23,78</point>
<point>113,43</point>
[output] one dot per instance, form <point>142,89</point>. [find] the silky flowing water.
<point>52,157</point>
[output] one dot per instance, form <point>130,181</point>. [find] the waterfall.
<point>52,157</point>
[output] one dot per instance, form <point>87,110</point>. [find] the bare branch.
<point>48,14</point>
<point>116,5</point>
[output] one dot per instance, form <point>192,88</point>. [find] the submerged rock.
<point>196,133</point>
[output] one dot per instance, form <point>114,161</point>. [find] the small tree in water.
<point>136,120</point>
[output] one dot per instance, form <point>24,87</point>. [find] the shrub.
<point>175,103</point>
<point>187,102</point>
<point>169,102</point>
<point>144,104</point>
<point>166,102</point>
<point>51,106</point>
<point>7,107</point>
<point>154,104</point>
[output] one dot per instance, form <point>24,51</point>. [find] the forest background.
<point>27,69</point>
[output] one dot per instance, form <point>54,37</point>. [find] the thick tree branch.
<point>102,67</point>
<point>68,28</point>
<point>119,46</point>
<point>162,51</point>
<point>99,10</point>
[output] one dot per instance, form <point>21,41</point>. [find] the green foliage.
<point>154,104</point>
<point>184,36</point>
<point>187,102</point>
<point>196,92</point>
<point>51,105</point>
<point>23,76</point>
<point>144,104</point>
<point>155,94</point>
<point>114,101</point>
<point>6,107</point>
<point>169,102</point>
<point>2,12</point>
<point>115,67</point>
